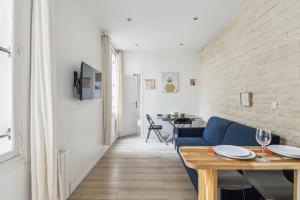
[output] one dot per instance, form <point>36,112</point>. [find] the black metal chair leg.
<point>158,134</point>
<point>148,135</point>
<point>174,136</point>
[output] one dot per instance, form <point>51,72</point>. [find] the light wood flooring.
<point>134,170</point>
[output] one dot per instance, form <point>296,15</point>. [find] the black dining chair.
<point>153,127</point>
<point>272,184</point>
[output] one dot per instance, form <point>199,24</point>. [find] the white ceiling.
<point>161,24</point>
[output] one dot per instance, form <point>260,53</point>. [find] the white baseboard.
<point>125,134</point>
<point>114,139</point>
<point>76,183</point>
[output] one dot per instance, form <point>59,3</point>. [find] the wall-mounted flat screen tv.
<point>89,83</point>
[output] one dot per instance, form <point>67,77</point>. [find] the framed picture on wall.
<point>246,99</point>
<point>149,84</point>
<point>170,82</point>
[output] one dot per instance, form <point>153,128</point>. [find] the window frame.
<point>20,64</point>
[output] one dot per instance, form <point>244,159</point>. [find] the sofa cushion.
<point>242,135</point>
<point>215,130</point>
<point>190,141</point>
<point>239,134</point>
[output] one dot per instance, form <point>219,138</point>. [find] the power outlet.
<point>274,105</point>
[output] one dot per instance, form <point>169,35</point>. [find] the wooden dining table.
<point>207,163</point>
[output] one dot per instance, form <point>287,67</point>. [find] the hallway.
<point>134,170</point>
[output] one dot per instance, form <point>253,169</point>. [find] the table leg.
<point>207,184</point>
<point>171,136</point>
<point>296,184</point>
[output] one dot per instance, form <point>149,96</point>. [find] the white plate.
<point>230,150</point>
<point>289,151</point>
<point>250,156</point>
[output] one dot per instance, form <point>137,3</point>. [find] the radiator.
<point>64,173</point>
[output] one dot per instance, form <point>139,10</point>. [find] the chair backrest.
<point>183,121</point>
<point>151,122</point>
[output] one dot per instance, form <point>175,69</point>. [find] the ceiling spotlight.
<point>129,19</point>
<point>195,18</point>
<point>181,44</point>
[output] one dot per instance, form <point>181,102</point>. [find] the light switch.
<point>274,105</point>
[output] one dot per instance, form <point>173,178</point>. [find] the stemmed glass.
<point>263,137</point>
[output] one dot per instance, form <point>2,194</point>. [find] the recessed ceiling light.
<point>195,18</point>
<point>129,19</point>
<point>136,44</point>
<point>181,44</point>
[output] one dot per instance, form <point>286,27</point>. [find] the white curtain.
<point>107,88</point>
<point>119,86</point>
<point>45,179</point>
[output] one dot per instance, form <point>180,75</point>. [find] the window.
<point>114,83</point>
<point>7,138</point>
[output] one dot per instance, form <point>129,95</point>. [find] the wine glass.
<point>263,137</point>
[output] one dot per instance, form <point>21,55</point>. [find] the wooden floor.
<point>134,170</point>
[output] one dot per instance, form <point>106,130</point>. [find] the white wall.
<point>258,53</point>
<point>14,182</point>
<point>77,39</point>
<point>151,65</point>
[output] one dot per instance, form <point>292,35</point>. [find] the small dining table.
<point>171,119</point>
<point>207,163</point>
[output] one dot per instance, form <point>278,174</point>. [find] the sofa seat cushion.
<point>190,141</point>
<point>215,130</point>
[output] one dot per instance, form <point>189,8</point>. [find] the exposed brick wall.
<point>259,52</point>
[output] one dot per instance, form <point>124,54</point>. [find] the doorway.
<point>132,105</point>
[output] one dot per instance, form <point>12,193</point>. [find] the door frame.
<point>141,103</point>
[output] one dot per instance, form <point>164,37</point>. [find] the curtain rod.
<point>113,46</point>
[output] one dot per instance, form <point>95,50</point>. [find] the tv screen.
<point>90,82</point>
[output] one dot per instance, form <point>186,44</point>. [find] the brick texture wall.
<point>258,51</point>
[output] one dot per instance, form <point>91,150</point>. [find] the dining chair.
<point>234,181</point>
<point>153,127</point>
<point>271,184</point>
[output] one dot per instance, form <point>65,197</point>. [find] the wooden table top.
<point>205,158</point>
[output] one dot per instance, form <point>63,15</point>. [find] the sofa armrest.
<point>189,132</point>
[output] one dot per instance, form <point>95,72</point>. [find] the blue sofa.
<point>218,131</point>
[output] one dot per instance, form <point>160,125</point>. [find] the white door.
<point>130,105</point>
